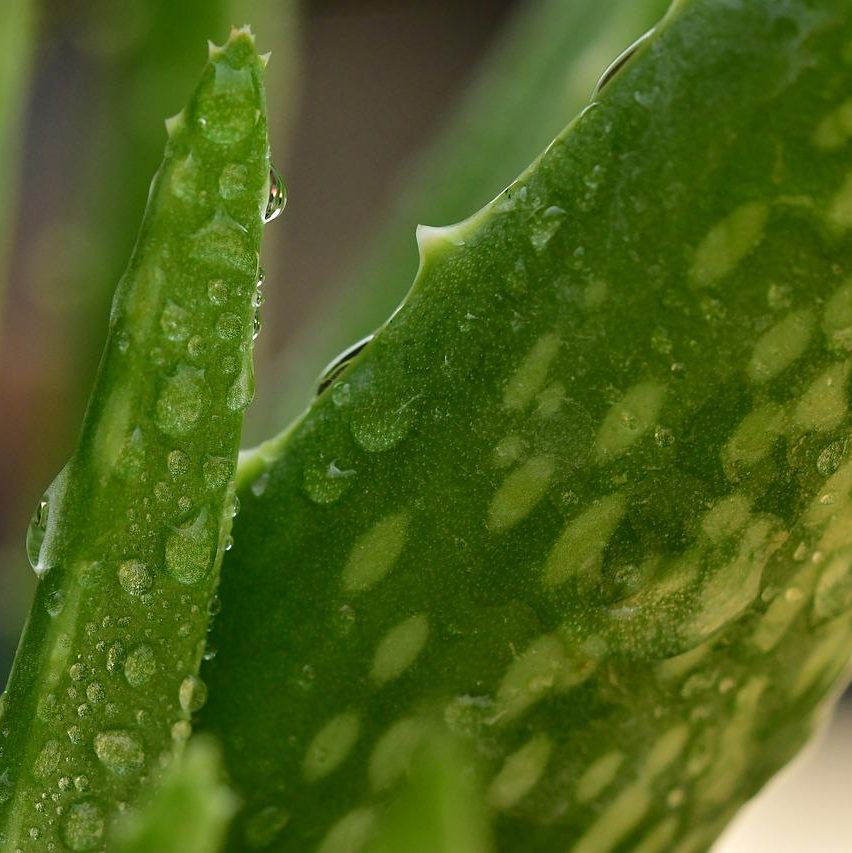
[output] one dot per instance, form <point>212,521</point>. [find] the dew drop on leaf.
<point>140,666</point>
<point>83,826</point>
<point>217,471</point>
<point>189,550</point>
<point>35,534</point>
<point>134,577</point>
<point>178,463</point>
<point>192,694</point>
<point>119,751</point>
<point>217,292</point>
<point>277,195</point>
<point>174,321</point>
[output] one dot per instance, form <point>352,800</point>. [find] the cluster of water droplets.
<point>89,698</point>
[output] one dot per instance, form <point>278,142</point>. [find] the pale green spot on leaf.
<point>728,243</point>
<point>375,552</point>
<point>629,419</point>
<point>519,493</point>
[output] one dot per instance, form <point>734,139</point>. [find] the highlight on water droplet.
<point>35,534</point>
<point>277,195</point>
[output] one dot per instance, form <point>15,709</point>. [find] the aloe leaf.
<point>128,539</point>
<point>540,71</point>
<point>586,497</point>
<point>17,26</point>
<point>187,812</point>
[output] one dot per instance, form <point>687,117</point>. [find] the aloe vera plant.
<point>128,538</point>
<point>560,560</point>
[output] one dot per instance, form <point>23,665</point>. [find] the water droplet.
<point>217,292</point>
<point>54,602</point>
<point>95,693</point>
<point>217,471</point>
<point>221,243</point>
<point>174,321</point>
<point>228,327</point>
<point>277,195</point>
<point>182,401</point>
<point>77,671</point>
<point>225,107</point>
<point>134,577</point>
<point>341,394</point>
<point>258,487</point>
<point>241,392</point>
<point>190,550</point>
<point>47,760</point>
<point>196,347</point>
<point>83,826</point>
<point>335,367</point>
<point>325,482</point>
<point>178,463</point>
<point>229,542</point>
<point>663,436</point>
<point>119,751</point>
<point>36,532</point>
<point>233,180</point>
<point>192,694</point>
<point>256,326</point>
<point>830,458</point>
<point>115,656</point>
<point>140,666</point>
<point>378,429</point>
<point>545,227</point>
<point>181,730</point>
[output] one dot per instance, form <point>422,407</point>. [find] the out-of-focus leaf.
<point>441,808</point>
<point>586,497</point>
<point>17,29</point>
<point>188,810</point>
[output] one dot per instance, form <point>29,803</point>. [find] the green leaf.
<point>129,538</point>
<point>586,497</point>
<point>538,74</point>
<point>441,807</point>
<point>188,810</point>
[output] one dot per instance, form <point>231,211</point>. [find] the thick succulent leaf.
<point>128,539</point>
<point>188,811</point>
<point>586,498</point>
<point>538,74</point>
<point>17,26</point>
